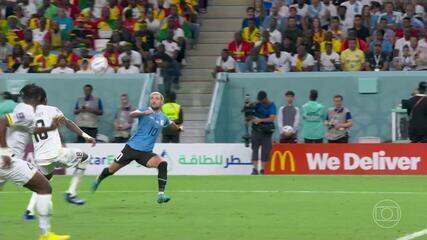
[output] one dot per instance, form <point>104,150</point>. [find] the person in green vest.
<point>174,112</point>
<point>7,103</point>
<point>313,116</point>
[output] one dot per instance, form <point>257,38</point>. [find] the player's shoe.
<point>163,199</point>
<point>262,172</point>
<point>94,186</point>
<point>28,216</point>
<point>53,236</point>
<point>73,199</point>
<point>254,172</point>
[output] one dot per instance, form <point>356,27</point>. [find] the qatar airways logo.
<point>352,161</point>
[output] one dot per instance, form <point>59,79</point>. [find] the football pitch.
<point>231,207</point>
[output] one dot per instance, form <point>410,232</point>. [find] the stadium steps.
<point>224,17</point>
<point>224,11</point>
<point>207,49</point>
<point>215,37</point>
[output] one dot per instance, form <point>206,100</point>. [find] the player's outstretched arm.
<point>76,129</point>
<point>139,113</point>
<point>3,128</point>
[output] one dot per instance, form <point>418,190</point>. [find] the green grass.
<point>283,211</point>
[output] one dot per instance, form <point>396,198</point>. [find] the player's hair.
<point>158,94</point>
<point>29,91</point>
<point>89,86</point>
<point>313,95</point>
<point>42,95</point>
<point>339,96</point>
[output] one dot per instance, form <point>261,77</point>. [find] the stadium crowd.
<point>61,36</point>
<point>326,35</point>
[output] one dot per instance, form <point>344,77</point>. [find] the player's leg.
<point>124,158</point>
<point>25,174</point>
<point>162,177</point>
<point>29,213</point>
<point>78,159</point>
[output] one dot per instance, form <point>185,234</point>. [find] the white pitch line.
<point>414,235</point>
<point>246,191</point>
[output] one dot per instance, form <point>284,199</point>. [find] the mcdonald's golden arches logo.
<point>282,157</point>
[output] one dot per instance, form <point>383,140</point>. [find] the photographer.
<point>338,121</point>
<point>262,130</point>
<point>288,119</point>
<point>417,110</point>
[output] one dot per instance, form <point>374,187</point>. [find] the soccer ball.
<point>288,130</point>
<point>99,64</point>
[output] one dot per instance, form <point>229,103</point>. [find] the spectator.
<point>122,121</point>
<point>41,34</point>
<point>167,68</point>
<point>360,44</point>
<point>406,60</point>
<point>343,18</point>
<point>274,17</point>
<point>7,103</point>
<point>318,31</point>
<point>65,23</point>
<point>250,11</point>
<point>14,60</point>
<point>302,61</point>
<point>262,131</point>
<point>62,67</point>
<point>389,33</point>
<point>336,29</point>
<point>265,46</point>
<point>288,46</point>
<point>330,11</point>
<point>301,7</point>
<point>32,47</point>
<point>112,55</point>
<point>225,63</point>
<point>338,122</point>
<point>336,43</point>
<point>56,38</point>
<point>313,116</point>
<point>275,34</point>
<point>288,119</point>
<point>330,60</point>
<point>88,109</point>
<point>369,20</point>
<point>416,108</point>
<point>5,48</point>
<point>134,56</point>
<point>353,8</point>
<point>406,26</point>
<point>174,112</point>
<point>251,33</point>
<point>70,57</point>
<point>255,62</point>
<point>279,61</point>
<point>25,66</point>
<point>361,31</point>
<point>126,67</point>
<point>300,22</point>
<point>377,60</point>
<point>84,67</point>
<point>239,48</point>
<point>292,31</point>
<point>352,59</point>
<point>45,61</point>
<point>392,17</point>
<point>153,24</point>
<point>405,40</point>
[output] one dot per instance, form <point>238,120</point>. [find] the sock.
<point>32,203</point>
<point>77,178</point>
<point>105,173</point>
<point>44,210</point>
<point>161,193</point>
<point>162,176</point>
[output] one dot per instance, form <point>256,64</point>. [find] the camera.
<point>249,112</point>
<point>248,108</point>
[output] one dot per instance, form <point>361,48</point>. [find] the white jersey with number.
<point>21,125</point>
<point>47,145</point>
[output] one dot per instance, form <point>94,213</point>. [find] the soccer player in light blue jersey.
<point>140,146</point>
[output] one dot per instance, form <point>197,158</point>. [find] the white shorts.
<point>68,157</point>
<point>19,173</point>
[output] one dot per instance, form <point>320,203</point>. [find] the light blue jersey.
<point>149,128</point>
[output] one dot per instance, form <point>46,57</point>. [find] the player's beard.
<point>155,108</point>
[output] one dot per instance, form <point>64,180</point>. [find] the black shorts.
<point>129,154</point>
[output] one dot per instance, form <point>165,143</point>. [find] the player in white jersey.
<point>50,154</point>
<point>24,173</point>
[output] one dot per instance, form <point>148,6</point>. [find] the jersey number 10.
<point>43,135</point>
